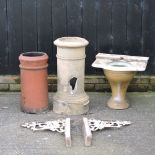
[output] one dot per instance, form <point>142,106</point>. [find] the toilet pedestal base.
<point>115,104</point>
<point>119,81</point>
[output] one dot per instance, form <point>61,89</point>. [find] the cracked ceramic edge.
<point>55,125</point>
<point>95,125</point>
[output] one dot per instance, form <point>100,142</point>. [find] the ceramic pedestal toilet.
<point>119,70</point>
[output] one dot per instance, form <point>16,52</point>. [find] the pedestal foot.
<point>117,104</point>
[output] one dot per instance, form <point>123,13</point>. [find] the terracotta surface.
<point>34,83</point>
<point>70,98</point>
<point>119,81</point>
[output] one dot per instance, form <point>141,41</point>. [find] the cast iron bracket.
<point>90,125</point>
<point>60,125</point>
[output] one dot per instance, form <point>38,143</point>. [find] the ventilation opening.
<point>33,54</point>
<point>73,82</point>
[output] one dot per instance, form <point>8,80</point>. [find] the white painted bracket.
<point>61,126</point>
<point>87,132</point>
<point>68,132</point>
<point>90,125</point>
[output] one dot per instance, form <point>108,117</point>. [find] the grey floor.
<point>136,139</point>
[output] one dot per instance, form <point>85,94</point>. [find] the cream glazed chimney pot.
<point>70,98</point>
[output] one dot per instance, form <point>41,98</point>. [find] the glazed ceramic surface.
<point>119,81</point>
<point>116,62</point>
<point>119,70</point>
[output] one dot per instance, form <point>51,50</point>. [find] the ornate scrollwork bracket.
<point>95,125</point>
<point>90,125</point>
<point>60,125</point>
